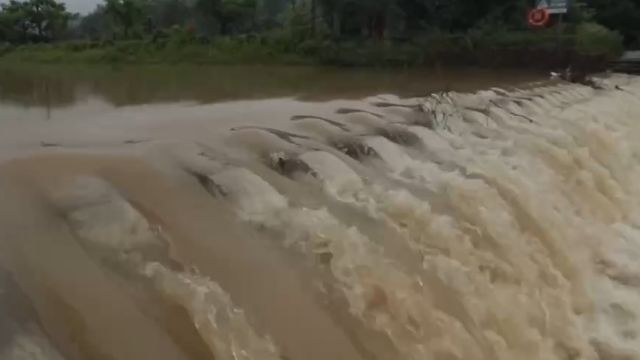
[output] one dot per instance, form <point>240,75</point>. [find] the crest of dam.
<point>497,225</point>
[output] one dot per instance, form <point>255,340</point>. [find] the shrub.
<point>595,39</point>
<point>5,48</point>
<point>80,45</point>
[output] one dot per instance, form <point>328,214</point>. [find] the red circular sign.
<point>538,17</point>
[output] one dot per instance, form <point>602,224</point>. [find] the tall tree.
<point>231,15</point>
<point>125,14</point>
<point>47,17</point>
<point>620,15</point>
<point>167,13</point>
<point>95,25</point>
<point>33,20</point>
<point>269,12</point>
<point>14,23</point>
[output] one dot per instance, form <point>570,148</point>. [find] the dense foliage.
<point>622,15</point>
<point>336,31</point>
<point>33,21</point>
<point>46,20</point>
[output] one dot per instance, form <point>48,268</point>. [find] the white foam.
<point>29,347</point>
<point>98,214</point>
<point>378,292</point>
<point>253,196</point>
<point>222,325</point>
<point>338,177</point>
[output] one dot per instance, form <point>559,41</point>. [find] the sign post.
<point>554,6</point>
<point>559,7</point>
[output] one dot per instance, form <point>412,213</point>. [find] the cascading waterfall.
<point>498,225</point>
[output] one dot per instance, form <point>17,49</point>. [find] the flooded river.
<point>313,214</point>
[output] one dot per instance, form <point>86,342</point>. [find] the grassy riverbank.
<point>590,46</point>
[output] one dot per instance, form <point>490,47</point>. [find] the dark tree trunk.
<point>40,32</point>
<point>314,19</point>
<point>224,27</point>
<point>379,26</point>
<point>25,33</point>
<point>336,22</point>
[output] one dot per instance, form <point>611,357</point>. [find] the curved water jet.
<point>462,231</point>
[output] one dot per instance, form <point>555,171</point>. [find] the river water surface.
<point>313,214</point>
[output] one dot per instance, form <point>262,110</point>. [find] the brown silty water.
<point>485,224</point>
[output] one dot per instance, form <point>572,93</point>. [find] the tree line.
<point>33,21</point>
<point>30,21</point>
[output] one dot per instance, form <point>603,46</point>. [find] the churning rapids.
<point>498,225</point>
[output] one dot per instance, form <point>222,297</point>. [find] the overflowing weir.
<point>498,225</point>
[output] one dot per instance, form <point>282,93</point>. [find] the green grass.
<point>490,48</point>
<point>150,53</point>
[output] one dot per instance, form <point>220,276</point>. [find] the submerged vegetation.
<point>334,32</point>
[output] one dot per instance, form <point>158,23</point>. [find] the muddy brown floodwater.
<point>254,213</point>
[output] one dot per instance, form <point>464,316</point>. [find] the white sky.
<point>80,6</point>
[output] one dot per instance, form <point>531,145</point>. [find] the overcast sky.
<point>81,6</point>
